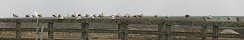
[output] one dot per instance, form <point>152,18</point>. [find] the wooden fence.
<point>164,26</point>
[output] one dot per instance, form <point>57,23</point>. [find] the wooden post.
<point>168,32</point>
<point>204,32</point>
<point>161,31</point>
<point>215,33</point>
<point>123,31</point>
<point>50,31</point>
<point>18,31</point>
<point>84,31</point>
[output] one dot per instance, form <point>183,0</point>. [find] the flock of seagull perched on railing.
<point>102,15</point>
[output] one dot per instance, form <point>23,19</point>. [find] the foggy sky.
<point>109,7</point>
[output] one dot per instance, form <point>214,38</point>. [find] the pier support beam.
<point>168,32</point>
<point>50,30</point>
<point>215,32</point>
<point>161,31</point>
<point>18,31</point>
<point>204,32</point>
<point>123,31</point>
<point>84,31</point>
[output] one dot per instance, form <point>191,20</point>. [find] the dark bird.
<point>14,15</point>
<point>54,15</point>
<point>33,15</point>
<point>237,19</point>
<point>187,16</point>
<point>39,15</point>
<point>73,15</point>
<point>79,15</point>
<point>166,16</point>
<point>117,15</point>
<point>27,15</point>
<point>155,15</point>
<point>59,15</point>
<point>128,15</point>
<point>135,15</point>
<point>94,15</point>
<point>229,18</point>
<point>87,15</point>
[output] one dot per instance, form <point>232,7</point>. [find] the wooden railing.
<point>164,26</point>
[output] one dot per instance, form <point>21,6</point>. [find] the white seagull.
<point>101,15</point>
<point>187,16</point>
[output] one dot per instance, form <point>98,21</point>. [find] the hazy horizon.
<point>109,7</point>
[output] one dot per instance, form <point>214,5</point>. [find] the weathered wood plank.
<point>50,31</point>
<point>161,31</point>
<point>18,30</point>
<point>204,32</point>
<point>215,32</point>
<point>147,20</point>
<point>123,30</point>
<point>84,32</point>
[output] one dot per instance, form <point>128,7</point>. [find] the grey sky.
<point>109,7</point>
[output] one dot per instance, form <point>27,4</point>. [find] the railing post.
<point>18,31</point>
<point>161,31</point>
<point>204,32</point>
<point>50,31</point>
<point>84,31</point>
<point>123,31</point>
<point>215,33</point>
<point>168,32</point>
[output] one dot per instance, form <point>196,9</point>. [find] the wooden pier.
<point>164,26</point>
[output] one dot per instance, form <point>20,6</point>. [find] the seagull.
<point>167,17</point>
<point>36,15</point>
<point>15,15</point>
<point>39,15</point>
<point>209,17</point>
<point>229,18</point>
<point>33,15</point>
<point>187,16</point>
<point>135,15</point>
<point>155,15</point>
<point>118,15</point>
<point>79,15</point>
<point>112,17</point>
<point>87,15</point>
<point>101,15</point>
<point>27,15</point>
<point>59,15</point>
<point>126,15</point>
<point>140,15</point>
<point>94,15</point>
<point>73,15</point>
<point>54,15</point>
